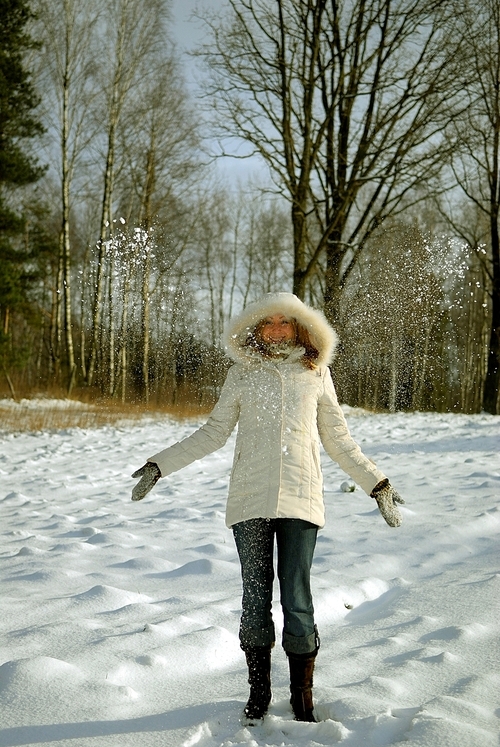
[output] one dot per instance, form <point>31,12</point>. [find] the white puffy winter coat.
<point>283,410</point>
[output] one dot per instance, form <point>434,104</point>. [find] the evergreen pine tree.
<point>18,168</point>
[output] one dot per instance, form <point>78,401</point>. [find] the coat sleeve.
<point>338,442</point>
<point>210,437</point>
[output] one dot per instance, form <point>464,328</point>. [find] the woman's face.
<point>277,328</point>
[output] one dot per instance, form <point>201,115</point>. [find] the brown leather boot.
<point>259,678</point>
<point>301,682</point>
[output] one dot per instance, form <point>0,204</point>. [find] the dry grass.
<point>45,414</point>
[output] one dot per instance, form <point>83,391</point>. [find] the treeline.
<point>122,254</point>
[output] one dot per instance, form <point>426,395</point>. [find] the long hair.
<point>301,339</point>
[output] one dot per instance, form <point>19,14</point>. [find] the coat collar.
<point>252,357</point>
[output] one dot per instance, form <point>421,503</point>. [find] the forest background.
<point>124,248</point>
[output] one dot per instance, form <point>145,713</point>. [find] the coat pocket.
<point>237,476</point>
<point>316,462</point>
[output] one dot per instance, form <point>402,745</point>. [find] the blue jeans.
<point>295,540</point>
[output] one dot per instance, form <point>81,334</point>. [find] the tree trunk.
<point>146,220</point>
<point>123,337</point>
<point>101,260</point>
<point>55,320</point>
<point>11,385</point>
<point>83,306</point>
<point>334,255</point>
<point>492,381</point>
<point>65,240</point>
<point>145,325</point>
<point>299,247</point>
<point>111,360</point>
<point>393,391</point>
<point>116,101</point>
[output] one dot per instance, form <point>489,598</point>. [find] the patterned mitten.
<point>149,474</point>
<point>387,499</point>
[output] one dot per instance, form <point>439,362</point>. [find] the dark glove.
<point>149,474</point>
<point>387,499</point>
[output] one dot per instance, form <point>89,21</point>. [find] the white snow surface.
<point>119,622</point>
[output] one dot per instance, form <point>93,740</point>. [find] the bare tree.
<point>344,102</point>
<point>264,65</point>
<point>384,77</point>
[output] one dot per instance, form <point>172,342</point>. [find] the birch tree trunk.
<point>56,320</point>
<point>67,29</point>
<point>123,336</point>
<point>104,233</point>
<point>65,232</point>
<point>111,323</point>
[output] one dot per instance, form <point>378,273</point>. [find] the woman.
<point>281,394</point>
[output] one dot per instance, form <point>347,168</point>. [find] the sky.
<point>188,33</point>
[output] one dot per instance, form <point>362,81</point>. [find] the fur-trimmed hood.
<point>323,336</point>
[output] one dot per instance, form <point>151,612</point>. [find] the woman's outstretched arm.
<point>210,437</point>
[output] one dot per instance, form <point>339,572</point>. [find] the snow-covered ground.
<point>119,620</point>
